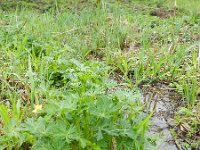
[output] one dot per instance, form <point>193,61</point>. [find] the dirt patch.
<point>12,5</point>
<point>117,76</point>
<point>131,47</point>
<point>165,102</point>
<point>95,55</point>
<point>16,86</point>
<point>162,13</point>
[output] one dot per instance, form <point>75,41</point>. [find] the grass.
<point>62,63</point>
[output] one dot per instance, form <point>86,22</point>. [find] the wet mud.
<point>165,102</point>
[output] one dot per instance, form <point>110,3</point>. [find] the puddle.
<point>165,103</point>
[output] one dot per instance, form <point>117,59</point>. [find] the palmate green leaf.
<point>125,128</point>
<point>35,126</point>
<point>103,107</point>
<point>42,146</point>
<point>106,127</point>
<point>51,109</point>
<point>101,124</point>
<point>99,135</point>
<point>61,107</point>
<point>94,90</point>
<point>55,134</point>
<point>65,134</point>
<point>60,130</point>
<point>50,144</point>
<point>11,135</point>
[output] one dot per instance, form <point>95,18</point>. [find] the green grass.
<point>58,59</point>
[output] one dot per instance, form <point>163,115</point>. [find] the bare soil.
<point>165,102</point>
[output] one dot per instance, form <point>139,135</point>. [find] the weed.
<point>55,95</point>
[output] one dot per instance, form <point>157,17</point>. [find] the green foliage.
<point>55,95</point>
<point>84,115</point>
<point>187,120</point>
<point>4,114</point>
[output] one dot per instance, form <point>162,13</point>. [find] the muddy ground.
<point>166,103</point>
